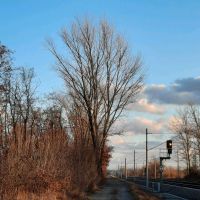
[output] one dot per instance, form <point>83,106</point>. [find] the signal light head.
<point>169,146</point>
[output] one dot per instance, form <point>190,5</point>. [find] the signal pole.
<point>147,178</point>
<point>169,149</point>
<point>121,170</point>
<point>178,163</point>
<point>155,171</point>
<point>134,161</point>
<point>125,170</point>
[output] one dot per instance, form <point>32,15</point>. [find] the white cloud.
<point>134,138</point>
<point>116,140</point>
<point>143,105</point>
<point>137,125</point>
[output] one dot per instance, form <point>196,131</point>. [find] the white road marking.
<point>174,196</point>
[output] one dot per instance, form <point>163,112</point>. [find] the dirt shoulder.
<point>140,194</point>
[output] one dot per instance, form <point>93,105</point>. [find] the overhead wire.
<point>161,143</point>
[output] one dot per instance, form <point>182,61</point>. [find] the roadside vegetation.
<point>186,124</point>
<point>57,147</point>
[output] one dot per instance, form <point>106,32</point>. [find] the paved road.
<point>113,189</point>
<point>184,193</point>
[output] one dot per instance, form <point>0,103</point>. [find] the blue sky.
<point>166,33</point>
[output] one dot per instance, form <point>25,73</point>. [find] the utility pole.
<point>125,170</point>
<point>136,168</point>
<point>169,152</point>
<point>155,169</point>
<point>121,170</point>
<point>178,164</point>
<point>134,162</point>
<point>118,171</point>
<point>147,178</point>
<point>161,170</point>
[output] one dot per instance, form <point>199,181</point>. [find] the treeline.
<point>44,147</point>
<point>186,124</point>
<point>169,172</point>
<point>58,149</point>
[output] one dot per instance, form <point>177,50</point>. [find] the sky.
<point>165,33</point>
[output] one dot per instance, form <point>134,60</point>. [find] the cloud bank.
<point>155,103</point>
<point>182,91</point>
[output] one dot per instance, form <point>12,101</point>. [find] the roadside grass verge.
<point>139,194</point>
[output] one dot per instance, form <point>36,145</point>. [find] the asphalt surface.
<point>113,189</point>
<point>172,191</point>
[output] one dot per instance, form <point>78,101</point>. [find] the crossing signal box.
<point>169,146</point>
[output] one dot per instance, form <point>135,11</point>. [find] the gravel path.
<point>113,189</point>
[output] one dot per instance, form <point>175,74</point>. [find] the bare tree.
<point>182,126</point>
<point>24,96</point>
<point>5,77</point>
<point>14,105</point>
<point>195,121</point>
<point>101,76</point>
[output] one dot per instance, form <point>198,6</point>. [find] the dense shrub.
<point>47,162</point>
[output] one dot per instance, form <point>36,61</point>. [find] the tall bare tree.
<point>5,77</point>
<point>195,122</point>
<point>182,126</point>
<point>101,76</point>
<point>24,96</point>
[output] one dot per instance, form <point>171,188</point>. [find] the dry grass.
<point>169,172</point>
<point>49,166</point>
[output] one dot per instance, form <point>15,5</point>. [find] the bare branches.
<point>186,125</point>
<point>35,142</point>
<point>101,75</point>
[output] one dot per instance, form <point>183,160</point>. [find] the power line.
<point>161,143</point>
<point>162,133</point>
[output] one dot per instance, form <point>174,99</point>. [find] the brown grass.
<point>49,166</point>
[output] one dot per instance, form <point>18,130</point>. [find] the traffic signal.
<point>169,146</point>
